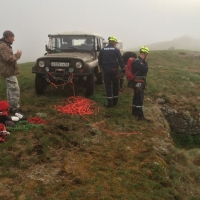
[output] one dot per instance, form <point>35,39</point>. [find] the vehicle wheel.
<point>90,85</point>
<point>99,77</point>
<point>40,84</point>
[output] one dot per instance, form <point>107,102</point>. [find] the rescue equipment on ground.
<point>3,132</point>
<point>24,126</point>
<point>76,105</point>
<point>37,120</point>
<point>4,106</point>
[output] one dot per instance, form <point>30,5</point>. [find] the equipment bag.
<point>128,69</point>
<point>3,133</point>
<point>4,106</point>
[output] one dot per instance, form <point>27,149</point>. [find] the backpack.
<point>128,69</point>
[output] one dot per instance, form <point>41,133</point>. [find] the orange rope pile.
<point>103,124</point>
<point>77,105</point>
<point>37,120</point>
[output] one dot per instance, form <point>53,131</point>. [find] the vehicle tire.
<point>90,85</point>
<point>99,77</point>
<point>40,84</point>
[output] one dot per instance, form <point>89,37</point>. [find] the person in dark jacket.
<point>9,70</point>
<point>140,70</point>
<point>109,60</point>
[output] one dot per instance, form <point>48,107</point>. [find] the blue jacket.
<point>110,58</point>
<point>139,67</point>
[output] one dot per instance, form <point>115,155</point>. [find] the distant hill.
<point>184,42</point>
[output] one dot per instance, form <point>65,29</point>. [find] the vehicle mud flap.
<point>40,84</point>
<point>90,85</point>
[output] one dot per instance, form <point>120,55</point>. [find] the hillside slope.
<point>108,154</point>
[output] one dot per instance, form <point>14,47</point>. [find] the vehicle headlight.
<point>41,63</point>
<point>78,65</point>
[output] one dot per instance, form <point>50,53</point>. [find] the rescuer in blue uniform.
<point>139,69</point>
<point>109,59</point>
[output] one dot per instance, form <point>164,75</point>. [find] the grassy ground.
<point>88,162</point>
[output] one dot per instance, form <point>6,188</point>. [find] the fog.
<point>136,23</point>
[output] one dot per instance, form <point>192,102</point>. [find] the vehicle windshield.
<point>71,43</point>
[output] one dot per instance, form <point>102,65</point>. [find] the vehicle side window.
<point>101,43</point>
<point>98,44</point>
<point>58,43</point>
<point>54,43</point>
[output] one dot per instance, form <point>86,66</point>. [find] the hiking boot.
<point>110,103</point>
<point>14,118</point>
<point>134,113</point>
<point>108,106</point>
<point>21,116</point>
<point>115,100</point>
<point>143,119</point>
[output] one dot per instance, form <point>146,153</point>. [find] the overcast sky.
<point>135,22</point>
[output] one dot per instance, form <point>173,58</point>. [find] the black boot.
<point>110,103</point>
<point>134,111</point>
<point>115,100</point>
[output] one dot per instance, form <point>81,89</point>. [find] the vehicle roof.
<point>76,33</point>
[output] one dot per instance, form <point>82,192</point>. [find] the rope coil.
<point>77,105</point>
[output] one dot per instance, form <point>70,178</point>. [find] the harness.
<point>139,79</point>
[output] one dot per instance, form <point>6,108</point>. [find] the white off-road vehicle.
<point>69,55</point>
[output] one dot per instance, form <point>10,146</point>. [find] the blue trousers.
<point>138,99</point>
<point>112,86</point>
